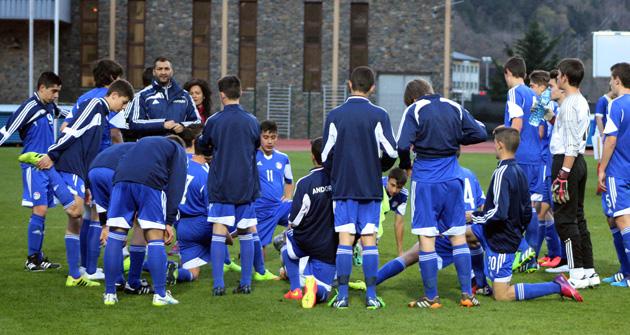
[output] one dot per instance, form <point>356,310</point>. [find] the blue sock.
<point>60,188</point>
<point>217,255</point>
<point>83,240</point>
<point>73,254</point>
<point>112,259</point>
<point>390,269</point>
<point>344,268</point>
<point>523,245</point>
<point>554,245</point>
<point>292,267</point>
<point>625,235</point>
<point>533,291</point>
<point>370,269</point>
<point>35,234</point>
<point>94,245</point>
<point>247,257</point>
<point>227,260</point>
<point>531,234</point>
<point>428,270</point>
<point>136,262</point>
<point>183,275</point>
<point>259,259</point>
<point>156,259</point>
<point>477,263</point>
<point>621,253</point>
<point>540,236</point>
<point>461,259</point>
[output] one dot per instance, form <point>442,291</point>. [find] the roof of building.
<point>460,56</point>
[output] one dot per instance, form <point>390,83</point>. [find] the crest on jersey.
<point>36,195</point>
<point>259,163</point>
<point>278,165</point>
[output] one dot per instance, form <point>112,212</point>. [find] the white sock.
<point>576,273</point>
<point>589,272</point>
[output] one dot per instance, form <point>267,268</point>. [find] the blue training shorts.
<point>498,265</point>
<point>535,178</point>
<point>194,237</point>
<point>129,198</point>
<point>37,190</point>
<point>75,183</point>
<point>269,217</point>
<point>619,191</point>
<point>438,208</point>
<point>101,183</point>
<point>242,216</point>
<point>357,216</point>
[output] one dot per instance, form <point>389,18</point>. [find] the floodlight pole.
<point>447,48</point>
<point>56,39</point>
<point>224,36</point>
<point>31,28</point>
<point>112,29</point>
<point>335,52</point>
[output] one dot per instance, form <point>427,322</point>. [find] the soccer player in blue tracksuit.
<point>164,107</point>
<point>276,187</point>
<point>358,146</point>
<point>149,187</point>
<point>397,196</point>
<point>34,122</point>
<point>613,172</point>
<point>312,234</point>
<point>232,138</point>
<point>529,156</point>
<point>500,226</point>
<point>436,127</point>
<point>72,155</point>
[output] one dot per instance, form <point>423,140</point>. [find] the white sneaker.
<point>593,280</point>
<point>81,270</point>
<point>165,300</point>
<point>110,299</point>
<point>579,283</point>
<point>558,269</point>
<point>98,275</point>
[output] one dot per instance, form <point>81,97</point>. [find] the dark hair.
<point>573,68</point>
<point>176,139</point>
<point>48,79</point>
<point>622,72</point>
<point>553,74</point>
<point>205,89</point>
<point>415,89</point>
<point>400,175</point>
<point>517,67</point>
<point>122,87</point>
<point>268,125</point>
<point>362,79</point>
<point>230,86</point>
<point>539,77</point>
<point>162,59</point>
<point>510,137</point>
<point>147,76</point>
<point>190,133</point>
<point>105,72</point>
<point>316,149</point>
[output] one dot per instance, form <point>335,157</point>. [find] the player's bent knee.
<point>40,210</point>
<point>154,234</point>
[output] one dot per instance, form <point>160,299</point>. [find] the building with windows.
<point>281,50</point>
<point>465,73</point>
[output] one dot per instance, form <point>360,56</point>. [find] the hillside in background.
<point>486,27</point>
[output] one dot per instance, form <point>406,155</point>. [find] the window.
<point>89,40</point>
<point>201,39</point>
<point>358,35</point>
<point>312,46</point>
<point>135,42</point>
<point>248,12</point>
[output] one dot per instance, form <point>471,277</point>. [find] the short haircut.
<point>122,87</point>
<point>162,59</point>
<point>190,133</point>
<point>362,79</point>
<point>230,86</point>
<point>399,175</point>
<point>517,67</point>
<point>205,89</point>
<point>105,72</point>
<point>269,125</point>
<point>539,77</point>
<point>316,149</point>
<point>147,76</point>
<point>621,71</point>
<point>48,79</point>
<point>553,74</point>
<point>510,138</point>
<point>416,89</point>
<point>176,139</point>
<point>573,68</point>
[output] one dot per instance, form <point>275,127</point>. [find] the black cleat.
<point>218,291</point>
<point>32,264</point>
<point>46,264</point>
<point>243,289</point>
<point>144,288</point>
<point>171,273</point>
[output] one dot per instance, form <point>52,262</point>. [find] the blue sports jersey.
<point>546,140</point>
<point>357,137</point>
<point>110,157</point>
<point>473,194</point>
<point>397,203</point>
<point>34,121</point>
<point>98,92</point>
<point>519,105</point>
<point>617,125</point>
<point>273,171</point>
<point>601,108</point>
<point>195,199</point>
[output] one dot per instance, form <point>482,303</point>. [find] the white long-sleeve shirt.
<point>571,128</point>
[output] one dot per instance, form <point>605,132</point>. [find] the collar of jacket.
<point>171,92</point>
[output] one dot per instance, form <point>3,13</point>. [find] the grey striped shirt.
<point>571,127</point>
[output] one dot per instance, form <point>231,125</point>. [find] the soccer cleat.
<point>567,289</point>
<point>310,292</point>
<point>294,295</point>
<point>523,258</point>
<point>578,283</point>
<point>81,281</point>
<point>424,302</point>
<point>110,299</point>
<point>171,273</point>
<point>358,285</point>
<point>617,277</point>
<point>30,158</point>
<point>144,288</point>
<point>231,267</point>
<point>593,280</point>
<point>339,303</point>
<point>46,264</point>
<point>485,291</point>
<point>530,267</point>
<point>242,289</point>
<point>544,259</point>
<point>558,269</point>
<point>97,275</point>
<point>357,256</point>
<point>32,264</point>
<point>621,283</point>
<point>218,291</point>
<point>552,263</point>
<point>468,301</point>
<point>168,299</point>
<point>267,276</point>
<point>374,303</point>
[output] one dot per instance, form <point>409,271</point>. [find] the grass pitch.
<point>40,303</point>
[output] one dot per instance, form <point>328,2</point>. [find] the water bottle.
<point>537,114</point>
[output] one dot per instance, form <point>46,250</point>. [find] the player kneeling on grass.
<point>505,217</point>
<point>149,186</point>
<point>311,234</point>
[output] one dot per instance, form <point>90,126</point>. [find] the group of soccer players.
<point>205,185</point>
